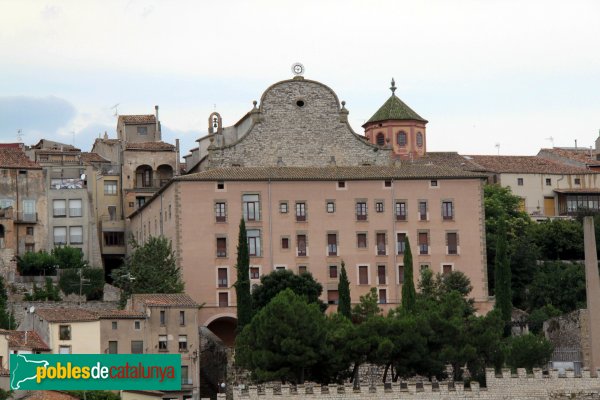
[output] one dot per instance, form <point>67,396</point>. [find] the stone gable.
<point>299,123</point>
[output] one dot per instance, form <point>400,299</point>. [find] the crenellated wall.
<point>521,386</point>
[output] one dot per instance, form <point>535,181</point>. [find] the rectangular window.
<point>29,214</point>
<point>113,347</point>
<point>185,380</point>
<point>251,207</point>
<point>400,211</point>
<point>446,269</point>
<point>301,243</point>
<point>137,325</point>
<point>110,188</point>
<point>64,332</point>
<point>183,343</point>
<point>433,183</point>
<point>60,235</point>
<point>578,181</point>
<point>76,235</point>
<point>548,182</point>
<point>285,243</point>
<point>29,231</point>
<point>221,185</point>
<point>181,318</point>
<point>332,244</point>
<point>400,274</point>
<point>423,243</point>
<point>142,130</point>
<point>423,267</point>
<point>381,250</point>
<point>222,277</point>
<point>379,206</point>
<point>361,211</point>
<point>382,296</point>
<point>330,207</point>
<point>381,276</point>
<point>112,213</point>
<point>162,343</point>
<point>254,273</point>
<point>280,268</point>
<point>363,275</point>
<point>401,242</point>
<point>29,247</point>
<point>283,207</point>
<point>220,212</point>
<point>59,208</point>
<point>333,272</point>
<point>332,297</point>
<point>302,269</point>
<point>447,210</point>
<point>163,317</point>
<point>341,184</point>
<point>221,247</point>
<point>75,208</point>
<point>301,212</point>
<point>361,240</point>
<point>452,242</point>
<point>114,325</point>
<point>520,181</point>
<point>422,211</point>
<point>254,249</point>
<point>223,299</point>
<point>137,347</point>
<point>387,183</point>
<point>114,238</point>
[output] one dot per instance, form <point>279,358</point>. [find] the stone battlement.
<point>521,386</point>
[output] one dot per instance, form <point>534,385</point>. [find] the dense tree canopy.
<point>242,284</point>
<point>303,285</point>
<point>344,303</point>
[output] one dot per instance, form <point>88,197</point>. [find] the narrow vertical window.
<point>447,210</point>
<point>400,211</point>
<point>381,251</point>
<point>400,243</point>
<point>301,243</point>
<point>251,207</point>
<point>332,244</point>
<point>361,211</point>
<point>423,243</point>
<point>452,242</point>
<point>363,275</point>
<point>381,276</point>
<point>301,211</point>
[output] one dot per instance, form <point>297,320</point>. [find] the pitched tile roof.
<point>49,395</point>
<point>525,164</point>
<point>120,314</point>
<point>150,146</point>
<point>14,157</point>
<point>585,156</point>
<point>26,340</point>
<point>92,157</point>
<point>368,172</point>
<point>395,109</point>
<point>450,159</point>
<point>165,300</point>
<point>138,119</point>
<point>65,314</point>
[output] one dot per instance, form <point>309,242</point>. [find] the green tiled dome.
<point>396,109</point>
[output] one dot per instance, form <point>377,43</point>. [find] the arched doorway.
<point>225,328</point>
<point>165,173</point>
<point>143,176</point>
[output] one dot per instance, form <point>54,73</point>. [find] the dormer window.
<point>380,139</point>
<point>401,138</point>
<point>419,139</point>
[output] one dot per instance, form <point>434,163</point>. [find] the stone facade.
<point>298,123</point>
<point>521,386</point>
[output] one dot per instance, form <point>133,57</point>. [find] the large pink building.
<point>313,194</point>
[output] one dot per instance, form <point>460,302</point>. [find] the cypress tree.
<point>344,293</point>
<point>242,285</point>
<point>408,287</point>
<point>503,276</point>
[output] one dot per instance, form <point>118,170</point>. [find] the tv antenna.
<point>497,146</point>
<point>19,135</point>
<point>551,139</point>
<point>116,108</point>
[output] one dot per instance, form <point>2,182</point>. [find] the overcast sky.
<point>513,73</point>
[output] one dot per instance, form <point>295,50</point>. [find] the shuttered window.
<point>332,244</point>
<point>221,247</point>
<point>363,275</point>
<point>423,243</point>
<point>452,242</point>
<point>381,244</point>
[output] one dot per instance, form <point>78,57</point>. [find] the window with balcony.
<point>223,299</point>
<point>300,211</point>
<point>401,243</point>
<point>361,240</point>
<point>183,343</point>
<point>363,275</point>
<point>220,211</point>
<point>110,188</point>
<point>423,243</point>
<point>301,244</point>
<point>60,235</point>
<point>381,275</point>
<point>361,211</point>
<point>422,211</point>
<point>162,343</point>
<point>143,176</point>
<point>381,244</point>
<point>222,277</point>
<point>59,208</point>
<point>251,207</point>
<point>254,248</point>
<point>76,235</point>
<point>400,211</point>
<point>112,213</point>
<point>29,214</point>
<point>75,208</point>
<point>447,210</point>
<point>333,271</point>
<point>114,238</point>
<point>221,247</point>
<point>332,244</point>
<point>452,242</point>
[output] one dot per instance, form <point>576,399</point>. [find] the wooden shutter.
<point>363,275</point>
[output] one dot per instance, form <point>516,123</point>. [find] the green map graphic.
<point>25,370</point>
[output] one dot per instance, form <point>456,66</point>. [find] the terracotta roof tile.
<point>138,119</point>
<point>150,146</point>
<point>120,314</point>
<point>49,395</point>
<point>450,159</point>
<point>66,314</point>
<point>26,340</point>
<point>165,300</point>
<point>92,157</point>
<point>585,156</point>
<point>525,164</point>
<point>11,157</point>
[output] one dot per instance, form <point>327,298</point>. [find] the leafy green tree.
<point>242,285</point>
<point>408,286</point>
<point>559,284</point>
<point>559,239</point>
<point>277,281</point>
<point>503,279</point>
<point>344,306</point>
<point>284,340</point>
<point>528,351</point>
<point>91,280</point>
<point>334,361</point>
<point>485,335</point>
<point>36,263</point>
<point>538,316</point>
<point>48,293</point>
<point>367,307</point>
<point>5,394</point>
<point>150,268</point>
<point>94,395</point>
<point>523,264</point>
<point>67,257</point>
<point>6,318</point>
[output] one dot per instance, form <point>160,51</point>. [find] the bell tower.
<point>397,126</point>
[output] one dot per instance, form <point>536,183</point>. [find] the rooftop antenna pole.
<point>497,146</point>
<point>551,139</point>
<point>116,108</point>
<point>19,135</point>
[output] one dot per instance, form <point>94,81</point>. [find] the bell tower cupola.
<point>395,125</point>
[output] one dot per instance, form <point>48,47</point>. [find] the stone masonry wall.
<point>286,134</point>
<point>507,386</point>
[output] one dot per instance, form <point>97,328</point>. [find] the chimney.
<point>177,167</point>
<point>158,135</point>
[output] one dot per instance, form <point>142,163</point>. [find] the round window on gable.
<point>300,103</point>
<point>419,139</point>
